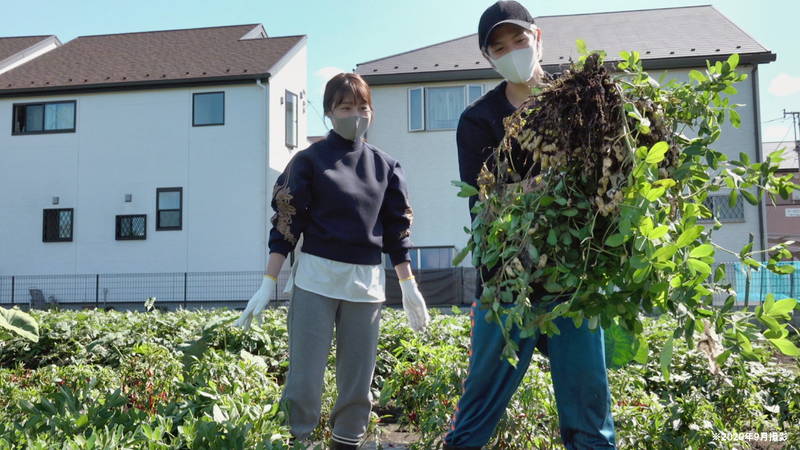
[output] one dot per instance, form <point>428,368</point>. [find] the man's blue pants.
<point>578,371</point>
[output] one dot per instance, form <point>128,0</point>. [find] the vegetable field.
<point>186,379</point>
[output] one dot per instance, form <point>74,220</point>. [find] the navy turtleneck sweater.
<point>348,200</point>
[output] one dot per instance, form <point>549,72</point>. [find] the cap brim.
<point>520,23</point>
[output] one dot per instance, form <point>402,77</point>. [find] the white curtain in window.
<point>443,106</point>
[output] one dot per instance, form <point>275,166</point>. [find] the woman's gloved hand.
<point>414,305</point>
<point>257,303</point>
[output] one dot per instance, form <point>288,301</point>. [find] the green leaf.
<point>665,252</point>
<point>552,238</point>
<point>697,76</point>
<point>19,323</point>
<point>569,212</point>
<point>783,307</point>
<point>467,190</point>
<point>619,345</point>
<point>689,235</point>
<point>654,194</point>
<point>733,198</point>
<point>701,251</point>
<point>642,351</point>
<point>581,44</point>
<point>461,255</point>
<point>719,274</point>
<point>752,263</point>
<point>752,199</point>
<point>733,60</point>
<point>736,119</point>
<point>695,265</point>
<point>786,346</point>
<point>656,153</point>
<point>615,240</point>
<point>666,358</point>
<point>658,232</point>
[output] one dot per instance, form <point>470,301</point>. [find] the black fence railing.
<point>196,289</point>
<point>451,286</point>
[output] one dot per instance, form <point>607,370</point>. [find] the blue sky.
<point>346,32</point>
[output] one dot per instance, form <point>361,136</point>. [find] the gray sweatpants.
<point>311,324</point>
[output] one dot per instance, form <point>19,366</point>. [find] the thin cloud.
<point>784,84</point>
<point>776,133</point>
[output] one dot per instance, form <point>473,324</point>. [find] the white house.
<point>149,152</point>
<point>418,97</point>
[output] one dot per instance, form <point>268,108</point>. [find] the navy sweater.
<point>348,200</point>
<point>480,130</point>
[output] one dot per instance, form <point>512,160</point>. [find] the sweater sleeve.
<point>291,198</point>
<point>396,216</point>
<point>475,144</point>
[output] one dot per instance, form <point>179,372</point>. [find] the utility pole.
<point>795,121</point>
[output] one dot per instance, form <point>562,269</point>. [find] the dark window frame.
<point>57,212</point>
<point>295,119</point>
<point>714,200</point>
<point>158,209</point>
<point>118,221</point>
<point>194,98</point>
<point>15,107</point>
<point>416,261</point>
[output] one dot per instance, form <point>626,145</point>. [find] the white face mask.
<point>350,128</point>
<point>517,66</point>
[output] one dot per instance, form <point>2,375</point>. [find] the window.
<point>416,113</point>
<point>131,227</point>
<point>41,118</point>
<point>291,119</point>
<point>722,211</point>
<point>169,208</point>
<point>439,108</point>
<point>428,258</point>
<point>57,225</point>
<point>208,108</point>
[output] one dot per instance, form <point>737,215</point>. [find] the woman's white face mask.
<point>517,66</point>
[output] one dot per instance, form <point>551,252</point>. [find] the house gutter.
<point>759,158</point>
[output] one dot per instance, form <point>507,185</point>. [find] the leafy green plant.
<point>593,207</point>
<point>18,323</point>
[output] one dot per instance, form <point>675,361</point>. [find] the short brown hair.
<point>343,84</point>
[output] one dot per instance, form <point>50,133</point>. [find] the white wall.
<point>132,143</point>
<point>430,161</point>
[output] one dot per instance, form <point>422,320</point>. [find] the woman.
<point>348,200</point>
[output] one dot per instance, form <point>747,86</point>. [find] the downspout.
<point>266,135</point>
<point>759,158</point>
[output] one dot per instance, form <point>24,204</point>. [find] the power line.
<point>795,120</point>
<point>321,117</point>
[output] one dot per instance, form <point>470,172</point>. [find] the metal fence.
<point>195,289</point>
<point>762,282</point>
<point>453,286</point>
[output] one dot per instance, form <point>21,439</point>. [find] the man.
<point>511,42</point>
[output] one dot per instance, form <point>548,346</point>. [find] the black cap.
<point>504,11</point>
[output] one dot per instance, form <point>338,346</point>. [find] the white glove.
<point>257,303</point>
<point>414,305</point>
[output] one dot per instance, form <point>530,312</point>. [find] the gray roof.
<point>145,59</point>
<point>790,156</point>
<point>665,38</point>
<point>10,46</point>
